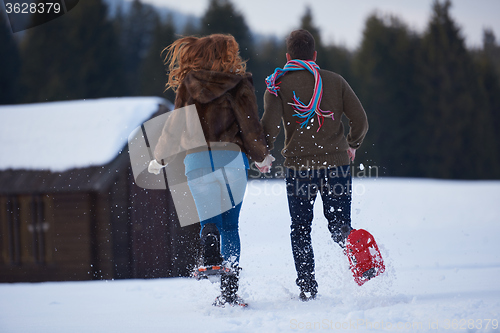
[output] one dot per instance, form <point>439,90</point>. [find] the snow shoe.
<point>210,243</point>
<point>211,273</point>
<point>365,260</point>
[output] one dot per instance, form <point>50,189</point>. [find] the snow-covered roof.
<point>59,136</point>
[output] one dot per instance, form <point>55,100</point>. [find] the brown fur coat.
<point>227,109</point>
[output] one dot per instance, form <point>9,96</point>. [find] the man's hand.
<point>352,153</point>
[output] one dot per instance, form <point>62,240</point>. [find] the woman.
<point>209,73</point>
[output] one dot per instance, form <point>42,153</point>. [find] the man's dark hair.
<point>300,45</point>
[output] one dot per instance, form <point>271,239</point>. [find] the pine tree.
<point>72,57</point>
<point>190,28</point>
<point>45,56</point>
<point>135,29</point>
<point>339,60</point>
<point>386,67</point>
<point>455,125</point>
<point>488,71</point>
<point>153,71</point>
<point>11,64</point>
<point>269,54</point>
<point>306,23</point>
<point>97,52</point>
<point>222,17</point>
<point>491,49</point>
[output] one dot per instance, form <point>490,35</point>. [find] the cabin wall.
<point>72,243</point>
<point>119,224</point>
<point>45,237</point>
<point>120,231</point>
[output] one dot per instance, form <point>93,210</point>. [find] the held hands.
<point>155,167</point>
<point>352,153</point>
<point>265,165</point>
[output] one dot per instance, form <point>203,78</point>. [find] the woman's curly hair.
<point>217,52</point>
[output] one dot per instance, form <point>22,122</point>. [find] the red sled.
<point>364,256</point>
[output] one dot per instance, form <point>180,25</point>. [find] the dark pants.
<point>335,187</point>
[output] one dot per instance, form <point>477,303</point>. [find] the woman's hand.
<point>265,165</point>
<point>155,167</point>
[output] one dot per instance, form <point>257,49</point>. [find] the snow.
<point>439,240</point>
<point>59,136</point>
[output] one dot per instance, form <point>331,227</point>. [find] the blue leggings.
<point>218,196</point>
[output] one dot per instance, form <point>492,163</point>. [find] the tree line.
<point>433,104</point>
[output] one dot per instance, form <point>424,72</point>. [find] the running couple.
<point>209,73</point>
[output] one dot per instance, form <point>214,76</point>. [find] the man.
<point>317,153</point>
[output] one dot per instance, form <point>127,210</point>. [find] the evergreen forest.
<point>433,104</point>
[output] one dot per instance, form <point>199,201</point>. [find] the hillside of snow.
<point>439,240</point>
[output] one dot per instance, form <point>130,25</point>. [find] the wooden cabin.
<point>69,208</point>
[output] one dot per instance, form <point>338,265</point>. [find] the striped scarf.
<point>303,111</point>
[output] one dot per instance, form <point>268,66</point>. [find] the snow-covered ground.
<point>439,240</point>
